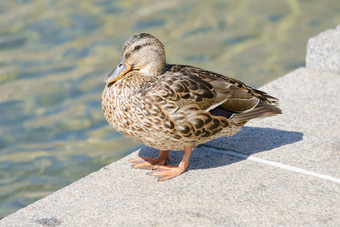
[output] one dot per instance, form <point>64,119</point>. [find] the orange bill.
<point>121,69</point>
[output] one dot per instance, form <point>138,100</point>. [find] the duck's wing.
<point>234,96</point>
<point>220,95</point>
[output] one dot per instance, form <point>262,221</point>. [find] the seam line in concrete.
<point>276,164</point>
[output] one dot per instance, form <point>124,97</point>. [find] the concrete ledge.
<point>323,51</point>
<point>291,176</point>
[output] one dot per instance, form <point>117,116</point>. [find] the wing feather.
<point>187,85</point>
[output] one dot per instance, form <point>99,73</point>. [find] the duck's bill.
<point>118,72</point>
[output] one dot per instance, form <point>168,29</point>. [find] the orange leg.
<point>167,172</point>
<point>149,162</point>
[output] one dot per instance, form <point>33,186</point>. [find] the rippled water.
<point>54,56</point>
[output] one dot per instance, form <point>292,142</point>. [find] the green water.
<point>54,56</point>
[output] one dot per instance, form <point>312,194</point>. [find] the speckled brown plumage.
<point>172,107</point>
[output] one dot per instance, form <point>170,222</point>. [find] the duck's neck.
<point>153,69</point>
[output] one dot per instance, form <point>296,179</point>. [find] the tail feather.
<point>261,110</point>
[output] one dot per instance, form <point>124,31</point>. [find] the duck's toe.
<point>166,172</point>
<point>150,162</point>
<point>144,162</point>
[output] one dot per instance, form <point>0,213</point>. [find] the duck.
<point>175,107</point>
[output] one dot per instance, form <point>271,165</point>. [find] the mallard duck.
<point>175,107</point>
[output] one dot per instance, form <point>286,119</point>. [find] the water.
<point>54,56</point>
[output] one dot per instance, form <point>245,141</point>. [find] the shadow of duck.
<point>248,141</point>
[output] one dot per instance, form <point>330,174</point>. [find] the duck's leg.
<point>167,172</point>
<point>150,162</point>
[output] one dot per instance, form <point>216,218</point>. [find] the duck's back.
<point>220,95</point>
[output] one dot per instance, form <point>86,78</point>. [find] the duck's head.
<point>143,53</point>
